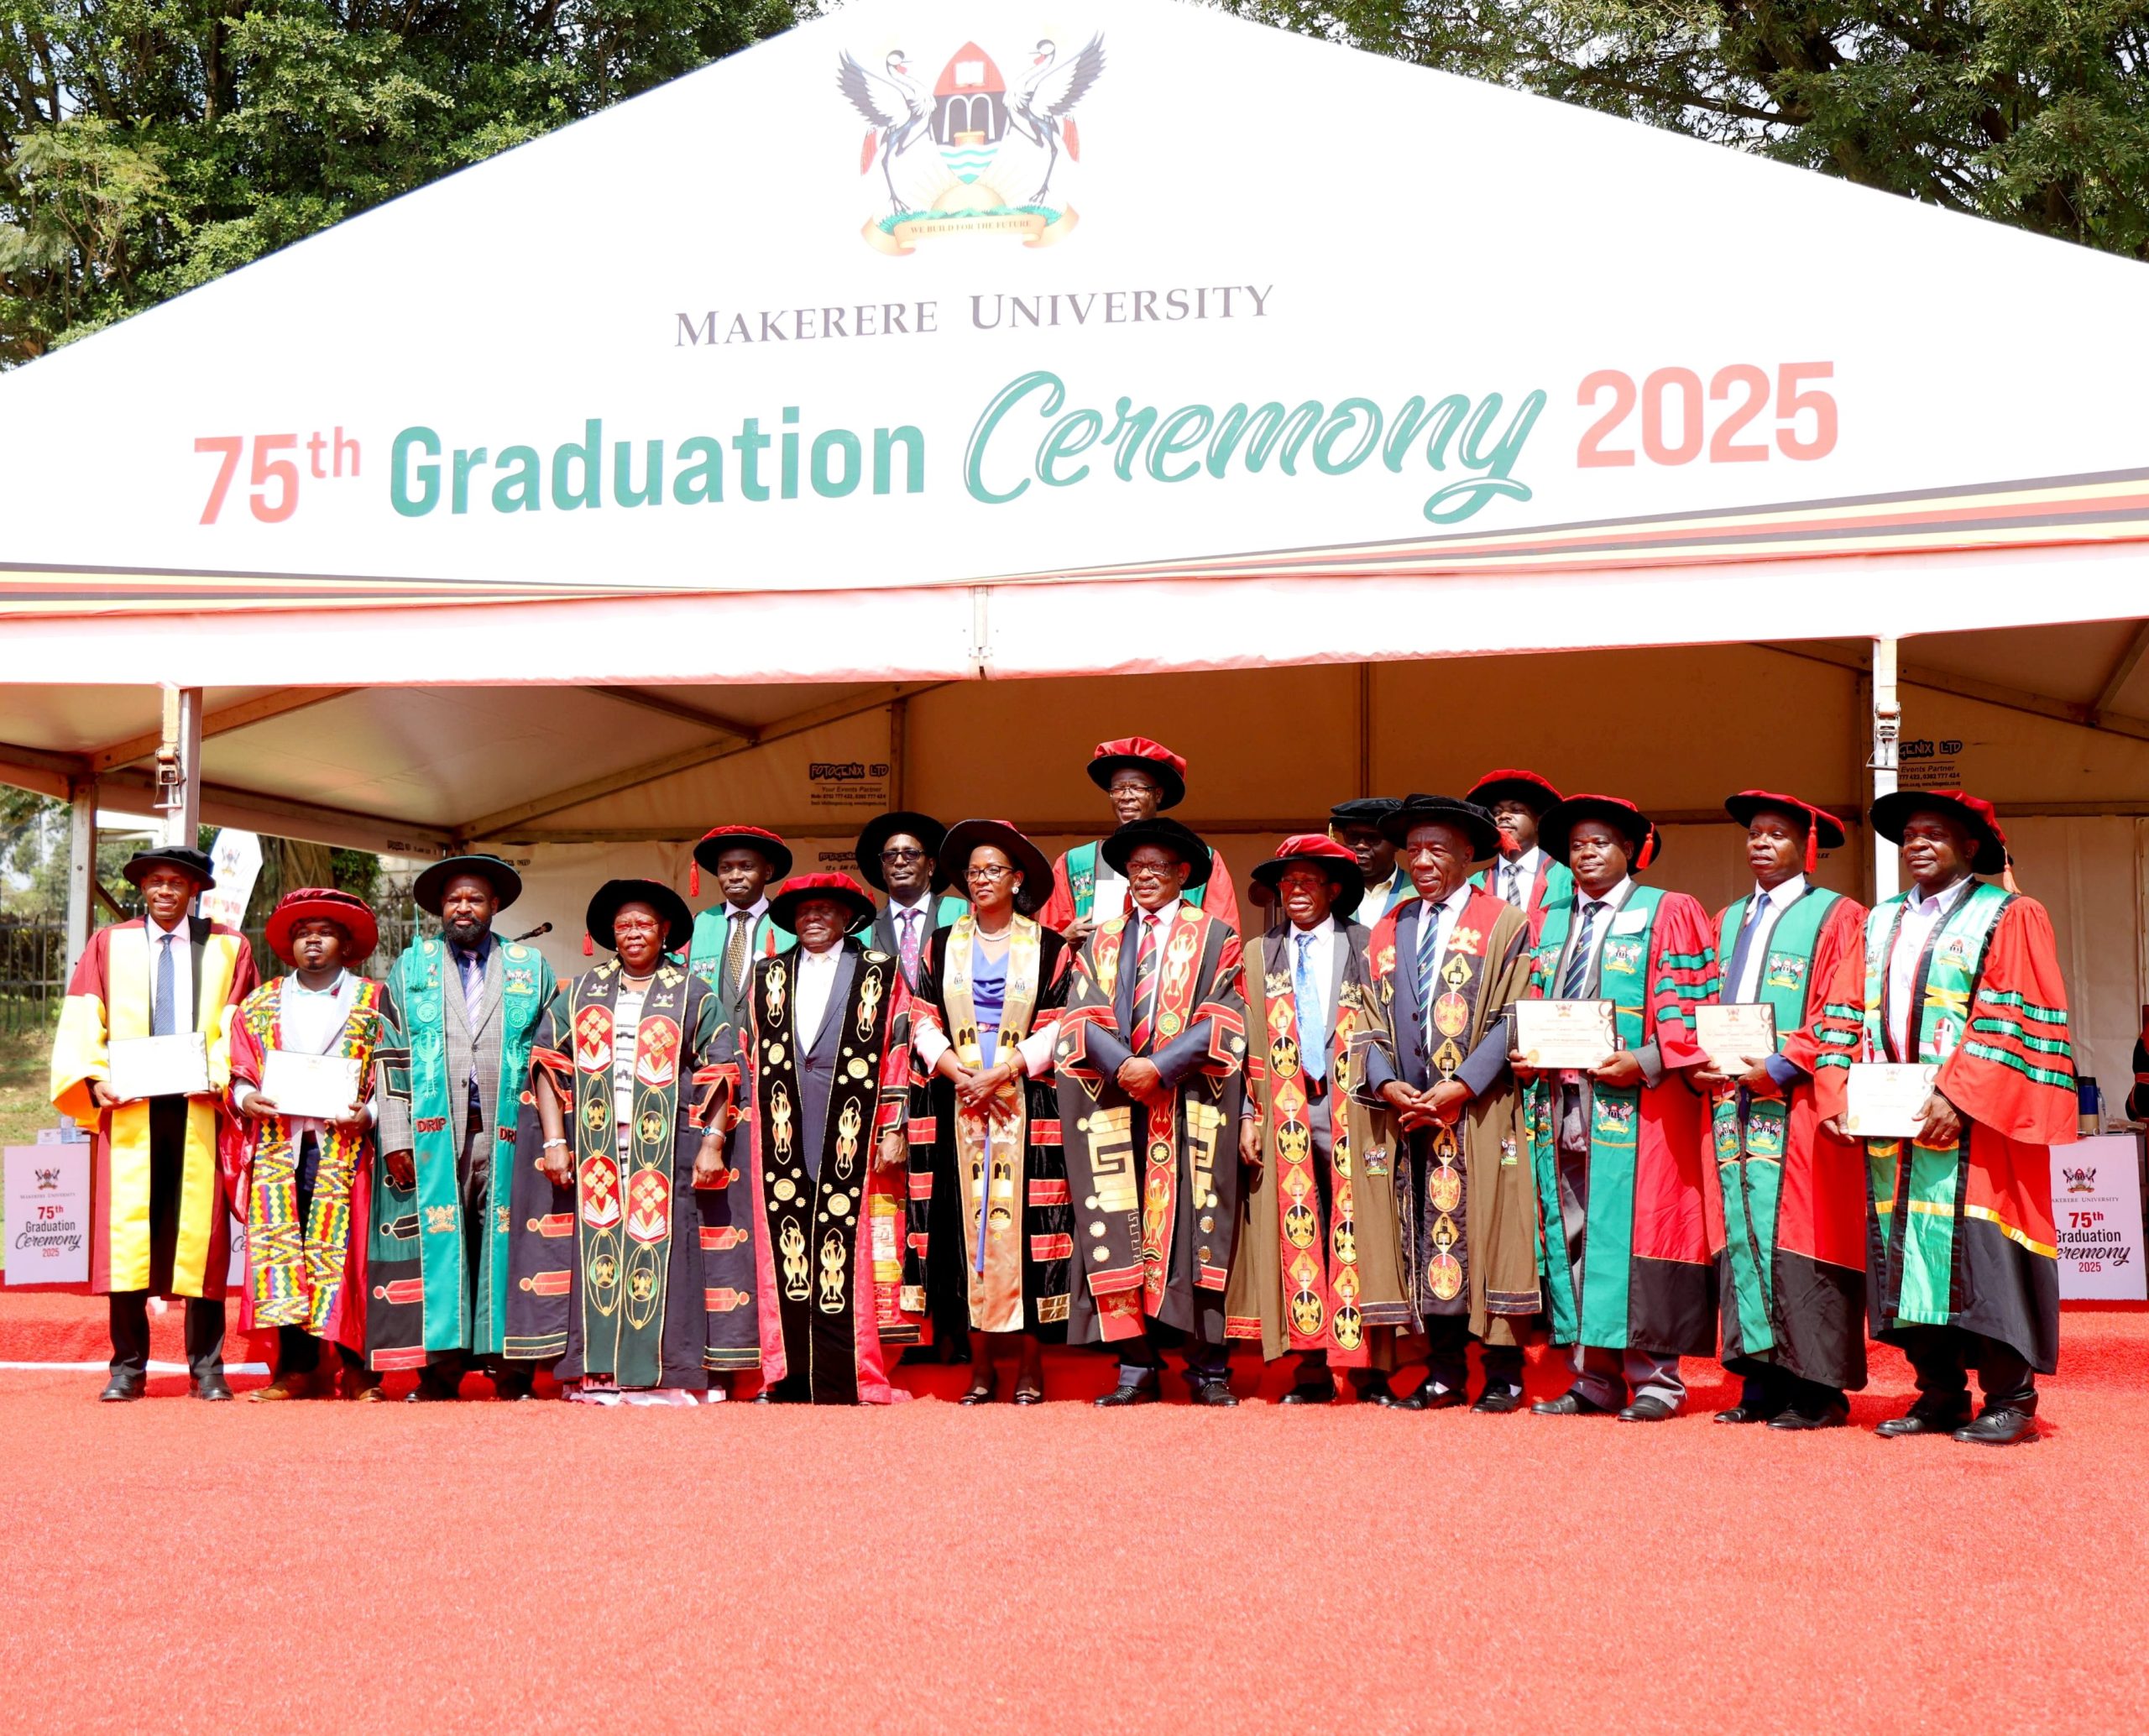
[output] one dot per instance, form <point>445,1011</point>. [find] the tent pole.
<point>1887,727</point>
<point>898,738</point>
<point>1365,729</point>
<point>82,870</point>
<point>179,766</point>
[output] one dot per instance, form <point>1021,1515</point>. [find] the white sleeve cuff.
<point>928,1044</point>
<point>1036,1051</point>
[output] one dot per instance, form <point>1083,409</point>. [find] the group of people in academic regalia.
<point>805,1134</point>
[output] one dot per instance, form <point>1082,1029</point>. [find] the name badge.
<point>1629,922</point>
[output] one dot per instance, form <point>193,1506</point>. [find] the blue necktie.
<point>164,1010</point>
<point>1429,954</point>
<point>1747,927</point>
<point>1313,1034</point>
<point>1578,965</point>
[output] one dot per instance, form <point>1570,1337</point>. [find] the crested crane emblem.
<point>976,153</point>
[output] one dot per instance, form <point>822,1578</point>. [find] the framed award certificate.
<point>1565,1035</point>
<point>1733,1036</point>
<point>158,1067</point>
<point>321,1088</point>
<point>1886,1100</point>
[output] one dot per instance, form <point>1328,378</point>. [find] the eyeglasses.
<point>986,873</point>
<point>902,856</point>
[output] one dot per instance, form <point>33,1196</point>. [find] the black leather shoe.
<point>1215,1391</point>
<point>1923,1419</point>
<point>1309,1393</point>
<point>1649,1409</point>
<point>212,1387</point>
<point>1568,1404</point>
<point>1748,1414</point>
<point>1834,1417</point>
<point>1386,1397</point>
<point>2000,1426</point>
<point>1426,1399</point>
<point>1137,1392</point>
<point>1499,1401</point>
<point>124,1385</point>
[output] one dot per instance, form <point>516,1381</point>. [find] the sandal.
<point>1026,1394</point>
<point>976,1395</point>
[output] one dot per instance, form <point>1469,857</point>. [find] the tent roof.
<point>1601,384</point>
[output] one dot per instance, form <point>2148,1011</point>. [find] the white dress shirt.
<point>1443,916</point>
<point>1921,917</point>
<point>626,1035</point>
<point>1158,924</point>
<point>1762,923</point>
<point>1522,871</point>
<point>817,980</point>
<point>1321,958</point>
<point>182,972</point>
<point>1613,901</point>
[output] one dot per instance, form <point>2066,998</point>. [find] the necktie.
<point>1578,963</point>
<point>1429,953</point>
<point>1517,894</point>
<point>1313,1029</point>
<point>164,1010</point>
<point>735,951</point>
<point>1145,985</point>
<point>1747,929</point>
<point>909,944</point>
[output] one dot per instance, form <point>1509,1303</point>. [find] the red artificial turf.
<point>176,1566</point>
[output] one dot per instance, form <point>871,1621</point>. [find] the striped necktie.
<point>1429,953</point>
<point>735,951</point>
<point>1578,962</point>
<point>909,945</point>
<point>1145,985</point>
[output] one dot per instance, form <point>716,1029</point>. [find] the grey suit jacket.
<point>464,1048</point>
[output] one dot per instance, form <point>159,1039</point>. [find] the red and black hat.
<point>1893,812</point>
<point>966,835</point>
<point>1513,784</point>
<point>1560,820</point>
<point>615,894</point>
<point>719,839</point>
<point>1475,823</point>
<point>1315,849</point>
<point>429,889</point>
<point>1140,754</point>
<point>803,888</point>
<point>1823,830</point>
<point>1181,841</point>
<point>878,830</point>
<point>353,916</point>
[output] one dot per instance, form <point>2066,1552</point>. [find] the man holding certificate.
<point>1787,1211</point>
<point>140,1059</point>
<point>1944,1046</point>
<point>1614,1131</point>
<point>301,1081</point>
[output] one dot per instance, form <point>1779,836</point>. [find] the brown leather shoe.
<point>361,1384</point>
<point>292,1385</point>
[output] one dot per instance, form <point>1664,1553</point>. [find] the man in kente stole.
<point>1787,1203</point>
<point>159,1215</point>
<point>988,1183</point>
<point>1355,825</point>
<point>1525,875</point>
<point>1431,1048</point>
<point>1623,1255</point>
<point>1961,975</point>
<point>628,1272</point>
<point>1141,778</point>
<point>1318,1268</point>
<point>1152,1060</point>
<point>826,1092</point>
<point>467,1003</point>
<point>303,1182</point>
<point>728,937</point>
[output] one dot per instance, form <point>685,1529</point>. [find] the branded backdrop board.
<point>46,1193</point>
<point>935,294</point>
<point>2096,1205</point>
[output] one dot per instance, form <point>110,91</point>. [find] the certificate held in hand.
<point>1565,1035</point>
<point>320,1088</point>
<point>1734,1035</point>
<point>1886,1100</point>
<point>158,1067</point>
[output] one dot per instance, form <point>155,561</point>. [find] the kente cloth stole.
<point>989,1151</point>
<point>1082,881</point>
<point>296,1269</point>
<point>623,1199</point>
<point>1320,1294</point>
<point>1915,1191</point>
<point>814,1224</point>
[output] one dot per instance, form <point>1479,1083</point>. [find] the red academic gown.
<point>1218,898</point>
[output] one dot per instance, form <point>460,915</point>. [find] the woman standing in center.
<point>984,1116</point>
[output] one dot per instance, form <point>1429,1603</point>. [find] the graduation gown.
<point>185,1248</point>
<point>611,1275</point>
<point>1074,884</point>
<point>1157,1194</point>
<point>1787,1200</point>
<point>1552,886</point>
<point>307,1272</point>
<point>1964,1236</point>
<point>1009,1170</point>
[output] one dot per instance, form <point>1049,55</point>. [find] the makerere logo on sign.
<point>2080,1181</point>
<point>973,154</point>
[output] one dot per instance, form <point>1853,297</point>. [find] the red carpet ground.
<point>176,1566</point>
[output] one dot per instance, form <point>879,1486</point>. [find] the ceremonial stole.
<point>1082,881</point>
<point>1321,1296</point>
<point>1916,1190</point>
<point>1435,1256</point>
<point>296,1271</point>
<point>1747,1131</point>
<point>712,930</point>
<point>622,1192</point>
<point>990,1146</point>
<point>813,1222</point>
<point>1174,1004</point>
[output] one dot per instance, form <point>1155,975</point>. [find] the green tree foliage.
<point>147,146</point>
<point>2030,111</point>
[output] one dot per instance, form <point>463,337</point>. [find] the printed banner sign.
<point>2096,1205</point>
<point>47,1194</point>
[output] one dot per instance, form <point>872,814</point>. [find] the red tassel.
<point>694,879</point>
<point>2007,869</point>
<point>1813,844</point>
<point>589,947</point>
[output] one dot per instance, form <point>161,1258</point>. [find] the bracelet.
<point>550,1143</point>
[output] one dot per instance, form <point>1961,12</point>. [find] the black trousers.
<point>129,1309</point>
<point>1941,1357</point>
<point>1447,1359</point>
<point>1204,1362</point>
<point>1765,1386</point>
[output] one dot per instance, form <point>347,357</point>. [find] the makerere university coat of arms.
<point>973,155</point>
